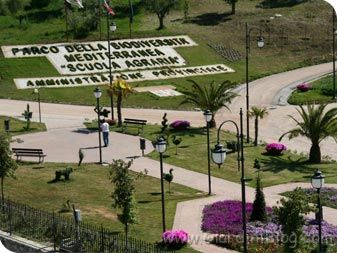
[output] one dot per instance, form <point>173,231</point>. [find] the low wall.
<point>20,245</point>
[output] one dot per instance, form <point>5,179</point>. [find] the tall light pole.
<point>219,156</point>
<point>36,91</point>
<point>110,27</point>
<point>161,148</point>
<point>98,94</point>
<point>334,53</point>
<point>260,44</point>
<point>317,182</point>
<point>208,118</point>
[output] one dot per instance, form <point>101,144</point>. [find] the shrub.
<point>303,87</point>
<point>327,90</point>
<point>275,148</point>
<point>175,239</point>
<point>180,125</point>
<point>259,206</point>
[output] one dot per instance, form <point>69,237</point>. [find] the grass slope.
<point>300,37</point>
<point>18,127</point>
<point>89,188</point>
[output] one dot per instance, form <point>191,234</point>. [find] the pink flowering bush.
<point>175,239</point>
<point>180,125</point>
<point>275,148</point>
<point>303,87</point>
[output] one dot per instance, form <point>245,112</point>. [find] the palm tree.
<point>121,89</point>
<point>209,97</point>
<point>316,125</point>
<point>257,112</point>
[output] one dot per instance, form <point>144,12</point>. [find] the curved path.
<point>66,135</point>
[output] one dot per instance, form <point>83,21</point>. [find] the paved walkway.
<point>65,137</point>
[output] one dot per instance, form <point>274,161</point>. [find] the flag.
<point>108,8</point>
<point>131,11</point>
<point>78,3</point>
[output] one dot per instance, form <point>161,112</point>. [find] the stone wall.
<point>21,245</point>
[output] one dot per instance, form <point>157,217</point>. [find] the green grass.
<point>18,127</point>
<point>207,23</point>
<point>316,94</point>
<point>89,188</point>
<point>192,155</point>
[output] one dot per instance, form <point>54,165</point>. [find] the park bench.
<point>28,152</point>
<point>139,123</point>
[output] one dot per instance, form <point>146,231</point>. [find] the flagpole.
<point>99,19</point>
<point>66,16</point>
<point>131,16</point>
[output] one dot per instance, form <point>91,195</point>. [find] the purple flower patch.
<point>303,87</point>
<point>175,238</point>
<point>180,125</point>
<point>275,148</point>
<point>225,217</point>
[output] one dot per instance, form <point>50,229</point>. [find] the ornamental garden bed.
<point>223,219</point>
<point>328,196</point>
<point>320,91</point>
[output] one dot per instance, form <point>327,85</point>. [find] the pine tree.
<point>259,205</point>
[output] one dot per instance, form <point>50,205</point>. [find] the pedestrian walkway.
<point>65,136</point>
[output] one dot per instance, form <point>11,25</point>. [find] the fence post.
<point>54,231</point>
<point>102,238</point>
<point>10,218</point>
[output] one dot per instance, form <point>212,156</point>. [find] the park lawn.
<point>315,95</point>
<point>207,24</point>
<point>192,155</point>
<point>18,127</point>
<point>89,189</point>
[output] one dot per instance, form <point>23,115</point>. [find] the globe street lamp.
<point>36,91</point>
<point>317,182</point>
<point>260,44</point>
<point>110,27</point>
<point>161,148</point>
<point>208,118</point>
<point>219,156</point>
<point>98,94</point>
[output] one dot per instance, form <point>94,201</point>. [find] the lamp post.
<point>334,53</point>
<point>219,156</point>
<point>110,27</point>
<point>161,148</point>
<point>260,44</point>
<point>36,91</point>
<point>98,94</point>
<point>208,118</point>
<point>317,182</point>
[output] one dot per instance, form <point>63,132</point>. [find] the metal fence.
<point>64,234</point>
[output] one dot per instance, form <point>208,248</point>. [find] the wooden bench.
<point>139,123</point>
<point>28,152</point>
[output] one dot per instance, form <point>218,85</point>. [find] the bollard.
<point>142,145</point>
<point>7,128</point>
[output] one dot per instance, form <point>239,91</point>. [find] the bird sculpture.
<point>176,141</point>
<point>169,177</point>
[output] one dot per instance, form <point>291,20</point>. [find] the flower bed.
<point>223,219</point>
<point>275,148</point>
<point>180,125</point>
<point>175,239</point>
<point>328,196</point>
<point>303,87</point>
